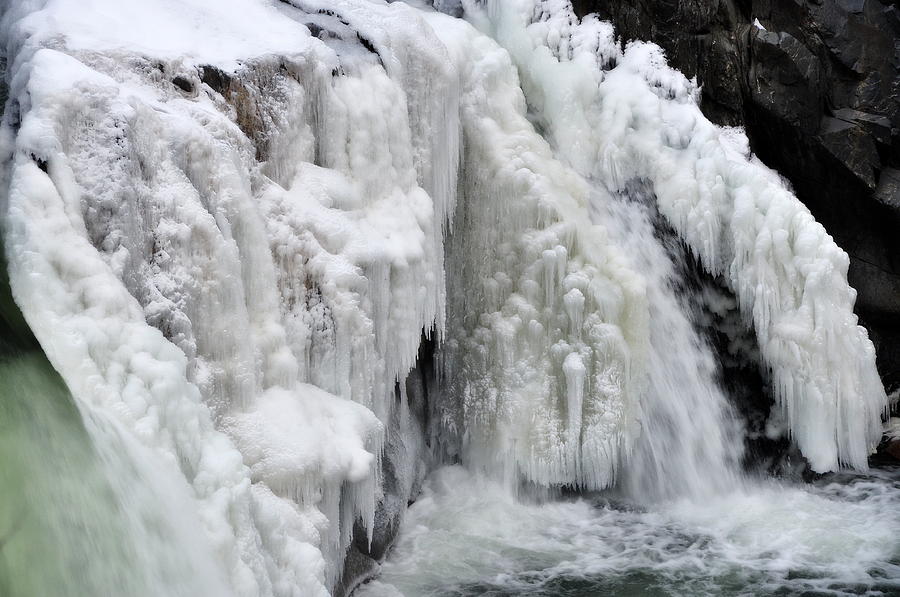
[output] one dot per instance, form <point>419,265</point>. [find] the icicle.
<point>522,218</point>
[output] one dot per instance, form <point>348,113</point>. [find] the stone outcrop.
<point>816,83</point>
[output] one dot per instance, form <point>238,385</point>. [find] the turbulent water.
<point>281,259</point>
<point>468,536</point>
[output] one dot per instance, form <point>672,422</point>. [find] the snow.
<point>203,31</point>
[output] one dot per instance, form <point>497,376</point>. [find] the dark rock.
<point>878,127</point>
<point>4,88</point>
<point>781,68</point>
<point>404,466</point>
<point>888,452</point>
<point>852,146</point>
<point>893,449</point>
<point>183,83</point>
<point>217,79</point>
<point>819,96</point>
<point>888,191</point>
<point>453,8</point>
<point>41,163</point>
<point>358,568</point>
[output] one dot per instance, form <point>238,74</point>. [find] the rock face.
<point>816,83</point>
<point>405,463</point>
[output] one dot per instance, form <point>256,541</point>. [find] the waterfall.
<point>619,115</point>
<point>691,442</point>
<point>230,225</point>
<point>80,496</point>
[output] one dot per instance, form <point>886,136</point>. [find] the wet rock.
<point>4,88</point>
<point>453,8</point>
<point>404,467</point>
<point>217,79</point>
<point>358,568</point>
<point>889,449</point>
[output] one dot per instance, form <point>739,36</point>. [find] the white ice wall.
<point>546,324</point>
<point>619,115</point>
<point>191,279</point>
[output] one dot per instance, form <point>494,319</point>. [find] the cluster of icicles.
<point>231,237</point>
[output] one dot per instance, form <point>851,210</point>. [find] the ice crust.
<point>546,323</point>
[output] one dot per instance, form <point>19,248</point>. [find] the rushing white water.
<point>691,442</point>
<point>93,518</point>
<point>469,536</point>
<point>230,223</point>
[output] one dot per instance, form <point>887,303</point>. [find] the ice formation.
<point>201,229</point>
<point>546,324</point>
<point>231,222</point>
<point>618,115</point>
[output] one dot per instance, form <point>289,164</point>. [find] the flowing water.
<point>690,444</point>
<point>76,521</point>
<point>684,519</point>
<point>469,536</point>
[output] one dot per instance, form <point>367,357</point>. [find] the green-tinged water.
<point>80,518</point>
<point>61,531</point>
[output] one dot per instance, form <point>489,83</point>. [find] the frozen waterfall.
<point>232,224</point>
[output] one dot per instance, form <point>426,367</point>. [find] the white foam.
<point>471,534</point>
